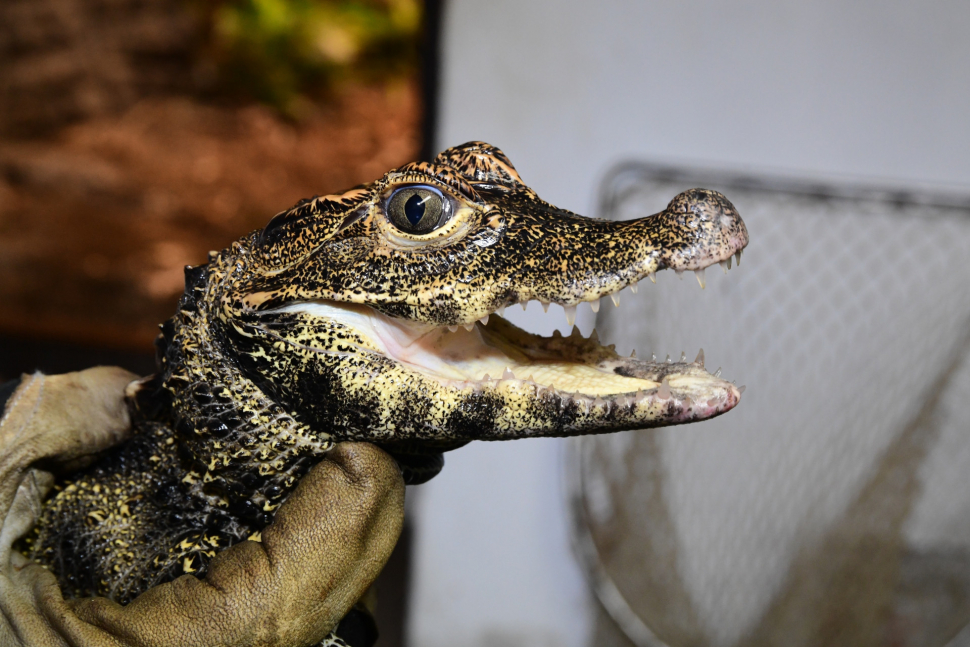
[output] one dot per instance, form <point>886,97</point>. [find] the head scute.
<point>481,162</point>
<point>292,234</point>
<point>422,171</point>
<point>341,202</point>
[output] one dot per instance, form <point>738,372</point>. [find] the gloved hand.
<point>327,544</point>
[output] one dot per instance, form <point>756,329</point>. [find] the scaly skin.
<point>334,323</point>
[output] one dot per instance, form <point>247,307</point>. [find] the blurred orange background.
<point>132,142</point>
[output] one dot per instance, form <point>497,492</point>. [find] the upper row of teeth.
<point>615,297</point>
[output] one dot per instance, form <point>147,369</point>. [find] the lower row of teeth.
<point>663,391</point>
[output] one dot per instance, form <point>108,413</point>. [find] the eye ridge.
<point>418,209</point>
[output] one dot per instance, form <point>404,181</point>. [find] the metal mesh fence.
<point>832,507</point>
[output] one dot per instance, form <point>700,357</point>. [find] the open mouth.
<point>433,356</point>
<point>494,356</point>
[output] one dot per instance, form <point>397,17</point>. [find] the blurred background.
<point>140,134</point>
<point>831,508</point>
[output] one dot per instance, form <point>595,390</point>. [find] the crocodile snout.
<point>703,228</point>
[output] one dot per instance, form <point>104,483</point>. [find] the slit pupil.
<point>414,209</point>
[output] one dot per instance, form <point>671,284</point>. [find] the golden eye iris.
<point>416,210</point>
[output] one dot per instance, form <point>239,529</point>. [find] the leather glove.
<point>326,545</point>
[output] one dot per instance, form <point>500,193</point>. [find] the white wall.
<point>878,90</point>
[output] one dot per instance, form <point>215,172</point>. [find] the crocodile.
<point>374,315</point>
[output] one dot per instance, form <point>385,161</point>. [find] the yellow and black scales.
<point>266,363</point>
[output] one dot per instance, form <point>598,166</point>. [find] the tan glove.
<point>327,544</point>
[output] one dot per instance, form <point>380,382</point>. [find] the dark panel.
<point>28,355</point>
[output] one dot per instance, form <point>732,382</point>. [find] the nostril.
<point>698,195</point>
<point>689,201</point>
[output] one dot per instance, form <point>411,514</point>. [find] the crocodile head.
<point>376,314</point>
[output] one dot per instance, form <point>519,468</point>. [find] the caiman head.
<point>376,314</point>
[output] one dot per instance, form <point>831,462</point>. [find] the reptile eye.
<point>418,209</point>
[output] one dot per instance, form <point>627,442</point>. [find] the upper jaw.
<point>586,260</point>
<point>699,228</point>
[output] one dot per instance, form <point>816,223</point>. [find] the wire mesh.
<point>832,506</point>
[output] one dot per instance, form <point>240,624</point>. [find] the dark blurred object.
<point>65,60</point>
<point>21,356</point>
<point>430,75</point>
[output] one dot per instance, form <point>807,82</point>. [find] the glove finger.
<point>24,511</point>
<point>59,418</point>
<point>64,417</point>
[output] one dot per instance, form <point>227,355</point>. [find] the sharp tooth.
<point>700,277</point>
<point>595,305</point>
<point>598,401</point>
<point>729,262</point>
<point>700,358</point>
<point>668,359</point>
<point>469,327</point>
<point>717,373</point>
<point>576,333</point>
<point>724,266</point>
<point>633,355</point>
<point>664,391</point>
<point>653,277</point>
<point>741,389</point>
<point>531,379</point>
<point>545,306</point>
<point>484,320</point>
<point>737,257</point>
<point>524,304</point>
<point>453,328</point>
<point>556,333</point>
<point>486,378</point>
<point>508,374</point>
<point>593,336</point>
<point>570,314</point>
<point>653,357</point>
<point>616,299</point>
<point>500,311</point>
<point>634,287</point>
<point>683,357</point>
<point>680,274</point>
